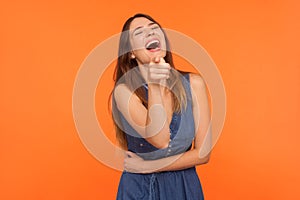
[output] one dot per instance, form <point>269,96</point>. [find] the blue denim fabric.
<point>170,185</point>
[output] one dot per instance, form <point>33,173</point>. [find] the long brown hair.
<point>126,63</point>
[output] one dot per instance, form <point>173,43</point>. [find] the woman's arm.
<point>151,123</point>
<point>202,144</point>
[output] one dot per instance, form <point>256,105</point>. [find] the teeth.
<point>152,42</point>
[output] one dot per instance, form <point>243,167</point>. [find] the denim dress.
<point>167,185</point>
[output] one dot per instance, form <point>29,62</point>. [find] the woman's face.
<point>147,40</point>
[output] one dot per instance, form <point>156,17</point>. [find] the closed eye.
<point>138,33</point>
<point>155,27</point>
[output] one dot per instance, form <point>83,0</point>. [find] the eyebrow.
<point>139,27</point>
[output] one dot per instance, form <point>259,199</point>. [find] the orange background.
<point>254,43</point>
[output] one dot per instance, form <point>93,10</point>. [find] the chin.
<point>159,53</point>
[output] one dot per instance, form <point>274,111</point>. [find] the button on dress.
<point>167,185</point>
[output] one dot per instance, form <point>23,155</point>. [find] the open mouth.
<point>153,45</point>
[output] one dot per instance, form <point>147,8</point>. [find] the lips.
<point>153,45</point>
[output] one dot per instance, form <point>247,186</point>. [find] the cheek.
<point>163,41</point>
<point>137,44</point>
<point>163,45</point>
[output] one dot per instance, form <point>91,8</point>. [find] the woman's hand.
<point>135,164</point>
<point>158,70</point>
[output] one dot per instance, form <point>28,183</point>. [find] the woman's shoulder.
<point>123,93</point>
<point>195,78</point>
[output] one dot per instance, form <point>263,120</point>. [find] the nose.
<point>149,32</point>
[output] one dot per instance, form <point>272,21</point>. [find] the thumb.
<point>156,59</point>
<point>162,60</point>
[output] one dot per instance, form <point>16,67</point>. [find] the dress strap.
<point>187,84</point>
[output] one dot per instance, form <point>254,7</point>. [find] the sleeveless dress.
<point>167,185</point>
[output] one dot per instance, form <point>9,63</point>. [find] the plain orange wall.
<point>254,43</point>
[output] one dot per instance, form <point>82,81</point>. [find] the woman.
<point>156,110</point>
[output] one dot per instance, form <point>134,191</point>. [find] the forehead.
<point>139,22</point>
